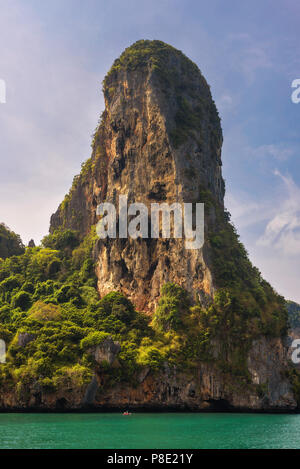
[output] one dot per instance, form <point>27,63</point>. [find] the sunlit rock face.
<point>159,140</point>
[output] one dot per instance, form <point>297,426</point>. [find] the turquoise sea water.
<point>155,430</point>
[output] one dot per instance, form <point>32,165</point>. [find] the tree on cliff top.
<point>10,243</point>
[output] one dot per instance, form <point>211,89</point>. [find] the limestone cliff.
<point>159,140</point>
<point>205,388</point>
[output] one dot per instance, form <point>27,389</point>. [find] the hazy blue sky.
<point>54,55</point>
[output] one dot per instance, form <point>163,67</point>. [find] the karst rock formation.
<point>159,140</point>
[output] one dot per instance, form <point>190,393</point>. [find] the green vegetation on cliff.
<point>294,314</point>
<point>256,308</point>
<point>48,295</point>
<point>10,243</point>
<point>144,53</point>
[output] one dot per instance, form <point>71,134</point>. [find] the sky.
<point>54,55</point>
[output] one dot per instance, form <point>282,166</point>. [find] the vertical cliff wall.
<point>159,140</point>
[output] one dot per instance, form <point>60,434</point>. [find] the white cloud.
<point>270,229</point>
<point>283,230</point>
<point>246,212</point>
<point>250,55</point>
<point>279,152</point>
<point>225,103</point>
<point>278,216</point>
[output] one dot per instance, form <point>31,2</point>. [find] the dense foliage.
<point>294,314</point>
<point>145,53</point>
<point>250,305</point>
<point>48,295</point>
<point>10,243</point>
<point>51,316</point>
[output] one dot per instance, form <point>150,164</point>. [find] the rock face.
<point>106,352</point>
<point>205,389</point>
<point>31,243</point>
<point>25,338</point>
<point>266,363</point>
<point>159,141</point>
<point>208,388</point>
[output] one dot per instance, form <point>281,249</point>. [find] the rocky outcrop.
<point>159,140</point>
<point>31,243</point>
<point>204,388</point>
<point>106,352</point>
<point>207,388</point>
<point>267,364</point>
<point>25,338</point>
